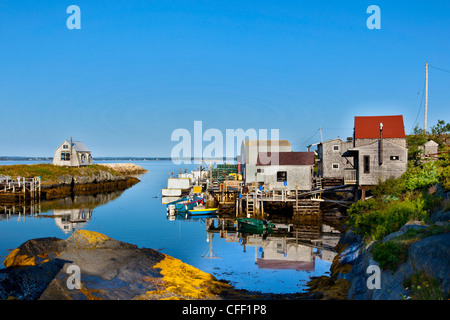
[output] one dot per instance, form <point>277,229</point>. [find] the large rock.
<point>110,269</point>
<point>432,256</point>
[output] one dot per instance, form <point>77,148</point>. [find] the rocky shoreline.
<point>112,178</point>
<point>428,261</point>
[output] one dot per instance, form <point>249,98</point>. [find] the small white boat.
<point>166,200</point>
<point>172,192</point>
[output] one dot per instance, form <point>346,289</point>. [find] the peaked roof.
<point>78,146</point>
<point>369,127</point>
<point>431,143</point>
<point>286,158</point>
<point>248,142</point>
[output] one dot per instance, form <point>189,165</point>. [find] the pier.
<point>235,197</point>
<point>21,188</point>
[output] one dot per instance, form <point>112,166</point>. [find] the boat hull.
<point>254,225</point>
<point>202,211</point>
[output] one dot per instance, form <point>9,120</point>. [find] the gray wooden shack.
<point>379,150</point>
<point>430,149</point>
<point>293,170</point>
<point>331,163</point>
<point>72,154</point>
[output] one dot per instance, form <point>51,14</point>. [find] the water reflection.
<point>70,213</point>
<point>70,220</point>
<point>294,246</point>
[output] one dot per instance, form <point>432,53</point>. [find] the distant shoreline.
<point>11,158</point>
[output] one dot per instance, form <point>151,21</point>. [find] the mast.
<point>426,99</point>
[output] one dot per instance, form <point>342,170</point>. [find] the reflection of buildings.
<point>289,246</point>
<point>70,213</point>
<point>69,220</point>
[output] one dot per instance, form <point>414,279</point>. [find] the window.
<point>366,164</point>
<point>65,156</point>
<point>336,148</point>
<point>83,158</point>
<point>260,170</point>
<point>395,158</point>
<point>65,146</point>
<point>281,176</point>
<point>335,166</point>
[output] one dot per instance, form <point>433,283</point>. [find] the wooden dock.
<point>253,201</point>
<point>21,188</point>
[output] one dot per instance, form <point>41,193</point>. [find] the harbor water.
<point>278,263</point>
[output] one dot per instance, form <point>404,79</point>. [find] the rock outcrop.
<point>110,269</point>
<point>429,255</point>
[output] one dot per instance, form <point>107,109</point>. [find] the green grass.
<point>394,252</point>
<point>424,287</point>
<point>49,172</point>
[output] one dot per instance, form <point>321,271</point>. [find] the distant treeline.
<point>10,158</point>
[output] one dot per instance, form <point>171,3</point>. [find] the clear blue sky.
<point>137,70</point>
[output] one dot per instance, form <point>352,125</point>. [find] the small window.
<point>65,146</point>
<point>260,170</point>
<point>366,164</point>
<point>65,156</point>
<point>281,176</point>
<point>335,166</point>
<point>336,148</point>
<point>395,158</point>
<point>83,158</point>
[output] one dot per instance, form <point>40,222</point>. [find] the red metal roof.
<point>286,158</point>
<point>369,127</point>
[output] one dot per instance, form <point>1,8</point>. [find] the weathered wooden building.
<point>379,150</point>
<point>430,149</point>
<point>72,154</point>
<point>292,171</point>
<point>332,164</point>
<point>252,149</point>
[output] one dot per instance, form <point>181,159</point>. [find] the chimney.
<point>380,158</point>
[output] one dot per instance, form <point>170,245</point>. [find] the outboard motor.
<point>171,210</point>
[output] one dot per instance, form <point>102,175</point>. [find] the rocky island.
<point>59,181</point>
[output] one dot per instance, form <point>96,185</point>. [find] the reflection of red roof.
<point>369,127</point>
<point>285,158</point>
<point>285,264</point>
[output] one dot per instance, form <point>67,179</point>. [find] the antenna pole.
<point>426,99</point>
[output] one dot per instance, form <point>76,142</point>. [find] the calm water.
<point>277,264</point>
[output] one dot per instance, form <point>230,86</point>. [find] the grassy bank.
<point>49,172</point>
<point>414,196</point>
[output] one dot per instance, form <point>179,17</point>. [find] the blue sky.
<point>138,70</point>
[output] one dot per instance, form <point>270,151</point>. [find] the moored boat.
<point>202,210</point>
<point>184,204</point>
<point>249,225</point>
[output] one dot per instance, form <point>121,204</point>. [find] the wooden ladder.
<point>250,205</point>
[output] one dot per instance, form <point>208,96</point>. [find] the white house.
<point>72,154</point>
<point>292,170</point>
<point>251,149</point>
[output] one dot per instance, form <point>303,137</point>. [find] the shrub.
<point>376,224</point>
<point>421,177</point>
<point>390,254</point>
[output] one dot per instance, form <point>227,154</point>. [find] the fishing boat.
<point>184,204</point>
<point>249,225</point>
<point>202,210</point>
